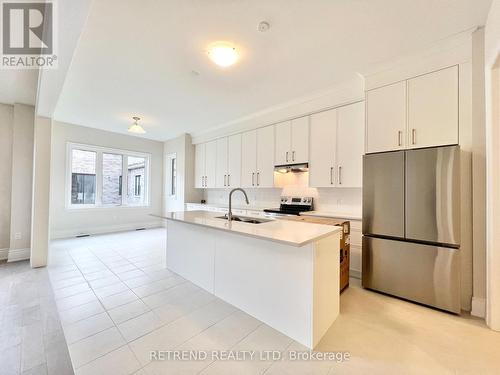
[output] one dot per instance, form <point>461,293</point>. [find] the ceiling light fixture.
<point>135,127</point>
<point>223,54</point>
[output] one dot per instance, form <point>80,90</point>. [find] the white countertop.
<point>335,215</point>
<point>287,232</point>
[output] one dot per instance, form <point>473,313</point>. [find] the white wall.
<point>478,176</point>
<point>183,150</point>
<point>6,128</point>
<point>338,200</point>
<point>346,201</point>
<point>347,92</point>
<point>70,222</point>
<point>492,99</point>
<point>40,220</point>
<point>22,178</point>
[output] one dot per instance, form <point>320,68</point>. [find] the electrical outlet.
<point>18,236</point>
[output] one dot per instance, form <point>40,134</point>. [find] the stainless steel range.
<point>291,206</point>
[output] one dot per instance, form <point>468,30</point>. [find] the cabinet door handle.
<point>253,175</point>
<point>340,175</point>
<point>228,177</point>
<point>225,177</point>
<point>287,156</point>
<point>293,155</point>
<point>206,178</point>
<point>258,182</point>
<point>413,136</point>
<point>331,175</point>
<point>202,181</point>
<point>400,138</point>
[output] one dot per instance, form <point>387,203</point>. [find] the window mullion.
<point>125,181</point>
<point>98,177</point>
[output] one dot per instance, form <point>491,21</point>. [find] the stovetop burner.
<point>292,206</point>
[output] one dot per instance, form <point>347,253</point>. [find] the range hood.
<point>292,168</point>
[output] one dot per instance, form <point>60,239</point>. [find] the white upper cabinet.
<point>336,147</point>
<point>300,140</point>
<point>350,145</point>
<point>386,118</point>
<point>248,158</point>
<point>265,157</point>
<point>234,161</point>
<point>322,154</point>
<point>210,163</point>
<point>292,141</point>
<point>199,165</point>
<point>283,142</point>
<point>228,165</point>
<point>221,168</point>
<point>418,112</point>
<point>433,109</point>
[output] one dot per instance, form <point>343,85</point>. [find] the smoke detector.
<point>263,26</point>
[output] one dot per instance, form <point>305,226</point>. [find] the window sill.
<point>104,208</point>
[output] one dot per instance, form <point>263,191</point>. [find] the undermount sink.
<point>244,219</point>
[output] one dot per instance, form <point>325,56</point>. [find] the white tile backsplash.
<point>341,200</point>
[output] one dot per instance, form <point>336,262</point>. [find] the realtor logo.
<point>28,34</point>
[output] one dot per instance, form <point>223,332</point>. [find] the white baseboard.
<point>478,307</point>
<point>68,233</point>
<point>4,254</point>
<point>18,254</point>
<point>355,273</point>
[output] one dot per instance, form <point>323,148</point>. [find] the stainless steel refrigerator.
<point>411,225</point>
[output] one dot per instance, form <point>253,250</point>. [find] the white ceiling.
<point>137,57</point>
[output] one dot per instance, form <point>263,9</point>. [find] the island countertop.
<point>283,231</point>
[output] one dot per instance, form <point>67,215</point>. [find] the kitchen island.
<point>284,273</point>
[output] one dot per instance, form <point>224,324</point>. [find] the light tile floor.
<point>31,335</point>
<point>117,302</point>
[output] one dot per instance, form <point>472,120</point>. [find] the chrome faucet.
<point>230,213</point>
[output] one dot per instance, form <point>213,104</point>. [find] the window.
<point>83,168</point>
<point>171,164</point>
<point>173,174</point>
<point>112,170</point>
<point>135,193</point>
<point>96,177</point>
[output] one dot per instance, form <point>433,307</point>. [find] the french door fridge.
<point>411,225</point>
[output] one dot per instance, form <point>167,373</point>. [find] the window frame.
<point>99,150</point>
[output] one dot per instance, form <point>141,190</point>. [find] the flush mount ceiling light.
<point>223,54</point>
<point>135,127</point>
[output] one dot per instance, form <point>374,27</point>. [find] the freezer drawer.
<point>422,273</point>
<point>433,195</point>
<point>383,194</point>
